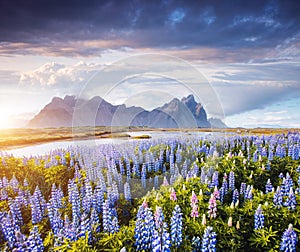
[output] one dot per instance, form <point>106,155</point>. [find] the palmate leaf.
<point>264,238</point>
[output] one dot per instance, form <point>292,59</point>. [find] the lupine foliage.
<point>236,193</point>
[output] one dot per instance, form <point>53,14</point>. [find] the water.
<point>42,149</point>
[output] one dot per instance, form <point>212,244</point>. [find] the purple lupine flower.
<point>216,193</point>
<point>212,207</point>
<point>194,212</point>
<point>231,181</point>
<point>173,195</point>
<point>269,186</point>
<point>291,203</point>
<point>194,198</point>
<point>176,227</point>
<point>277,199</point>
<point>259,218</point>
<point>289,240</point>
<point>209,240</point>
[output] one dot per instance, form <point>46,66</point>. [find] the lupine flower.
<point>176,227</point>
<point>225,184</point>
<point>85,227</point>
<point>235,196</point>
<point>95,222</point>
<point>259,218</point>
<point>144,228</point>
<point>289,240</point>
<point>161,239</point>
<point>212,207</point>
<point>196,244</point>
<point>277,199</point>
<point>237,225</point>
<point>194,212</point>
<point>215,179</point>
<point>173,195</point>
<point>165,182</point>
<point>34,241</point>
<point>243,188</point>
<point>209,240</point>
<point>194,199</point>
<point>203,222</point>
<point>248,194</point>
<point>8,230</point>
<point>222,194</point>
<point>159,217</point>
<point>231,181</point>
<point>229,223</point>
<point>291,203</point>
<point>127,193</point>
<point>216,193</point>
<point>269,186</point>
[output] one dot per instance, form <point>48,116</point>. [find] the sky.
<point>240,59</point>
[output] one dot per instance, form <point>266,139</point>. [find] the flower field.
<point>214,193</point>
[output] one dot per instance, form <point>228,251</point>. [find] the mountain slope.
<point>70,111</point>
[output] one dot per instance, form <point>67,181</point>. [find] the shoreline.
<point>22,137</point>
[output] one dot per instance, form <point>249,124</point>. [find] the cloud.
<point>62,27</point>
<point>53,74</point>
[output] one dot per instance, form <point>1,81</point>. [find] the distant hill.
<point>217,123</point>
<point>70,111</point>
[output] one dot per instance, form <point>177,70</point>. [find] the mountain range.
<point>72,111</point>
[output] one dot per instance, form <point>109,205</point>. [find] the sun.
<point>5,120</point>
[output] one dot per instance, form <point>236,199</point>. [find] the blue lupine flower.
<point>248,194</point>
<point>95,222</point>
<point>235,196</point>
<point>277,199</point>
<point>259,218</point>
<point>209,240</point>
<point>269,186</point>
<point>144,228</point>
<point>243,188</point>
<point>127,193</point>
<point>214,180</point>
<point>8,230</point>
<point>161,239</point>
<point>176,227</point>
<point>225,184</point>
<point>85,227</point>
<point>34,241</point>
<point>196,244</point>
<point>291,203</point>
<point>289,240</point>
<point>231,181</point>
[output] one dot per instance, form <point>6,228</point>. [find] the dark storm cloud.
<point>161,24</point>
